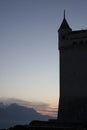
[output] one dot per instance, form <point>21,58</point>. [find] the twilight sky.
<point>29,60</point>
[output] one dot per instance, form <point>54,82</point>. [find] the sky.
<point>29,56</point>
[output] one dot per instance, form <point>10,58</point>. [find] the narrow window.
<point>63,37</point>
<point>74,43</point>
<point>81,42</point>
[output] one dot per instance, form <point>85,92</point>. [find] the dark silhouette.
<point>73,74</point>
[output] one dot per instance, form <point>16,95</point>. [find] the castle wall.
<point>73,77</point>
<point>73,72</point>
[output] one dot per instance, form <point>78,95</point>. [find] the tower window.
<point>81,42</point>
<point>63,37</point>
<point>74,43</point>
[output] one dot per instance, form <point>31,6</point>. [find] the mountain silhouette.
<point>15,114</point>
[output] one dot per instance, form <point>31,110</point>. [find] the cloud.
<point>43,108</point>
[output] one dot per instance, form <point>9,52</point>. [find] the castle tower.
<point>73,74</point>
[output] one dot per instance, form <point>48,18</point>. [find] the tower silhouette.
<point>73,74</point>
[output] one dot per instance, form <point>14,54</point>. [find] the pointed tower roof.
<point>64,24</point>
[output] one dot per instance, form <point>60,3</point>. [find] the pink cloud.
<point>43,108</point>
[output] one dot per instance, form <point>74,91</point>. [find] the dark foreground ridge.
<point>49,125</point>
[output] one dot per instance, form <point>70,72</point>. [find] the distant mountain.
<point>2,105</point>
<point>14,114</point>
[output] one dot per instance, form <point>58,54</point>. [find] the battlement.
<point>73,39</point>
